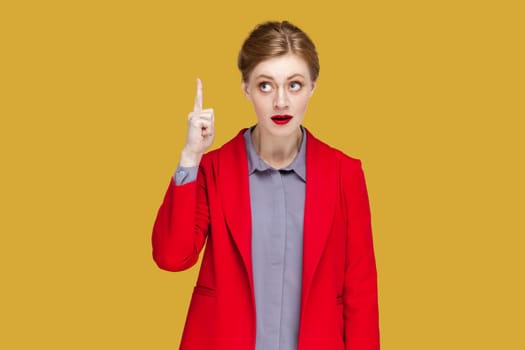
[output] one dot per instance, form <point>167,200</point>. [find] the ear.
<point>314,85</point>
<point>245,90</point>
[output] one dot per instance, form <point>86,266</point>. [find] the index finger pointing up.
<point>197,107</point>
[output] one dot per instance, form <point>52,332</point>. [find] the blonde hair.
<point>273,39</point>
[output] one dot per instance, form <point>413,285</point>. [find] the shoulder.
<point>229,150</point>
<point>320,149</point>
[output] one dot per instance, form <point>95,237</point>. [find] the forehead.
<point>282,67</point>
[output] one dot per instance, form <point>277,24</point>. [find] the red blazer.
<point>339,292</point>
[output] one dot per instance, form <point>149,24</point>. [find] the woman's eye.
<point>295,86</point>
<point>265,87</point>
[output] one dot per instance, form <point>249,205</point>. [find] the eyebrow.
<point>271,78</point>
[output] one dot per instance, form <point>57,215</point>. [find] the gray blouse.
<point>277,206</point>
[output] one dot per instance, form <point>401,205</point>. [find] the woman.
<point>289,261</point>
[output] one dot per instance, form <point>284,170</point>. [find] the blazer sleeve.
<point>360,300</point>
<point>181,225</point>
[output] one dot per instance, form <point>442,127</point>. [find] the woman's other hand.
<point>200,132</point>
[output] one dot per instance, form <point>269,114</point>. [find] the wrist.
<point>189,159</point>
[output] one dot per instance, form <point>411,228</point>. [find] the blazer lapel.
<point>320,199</point>
<point>234,191</point>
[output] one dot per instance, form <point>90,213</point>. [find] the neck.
<point>276,151</point>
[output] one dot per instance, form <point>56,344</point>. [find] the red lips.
<point>281,119</point>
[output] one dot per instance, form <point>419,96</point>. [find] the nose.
<point>281,100</point>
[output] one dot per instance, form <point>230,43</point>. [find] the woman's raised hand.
<point>200,131</point>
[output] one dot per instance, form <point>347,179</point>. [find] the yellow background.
<point>93,102</point>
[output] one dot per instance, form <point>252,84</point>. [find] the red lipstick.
<point>281,119</point>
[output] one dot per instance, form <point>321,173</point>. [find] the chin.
<point>284,130</point>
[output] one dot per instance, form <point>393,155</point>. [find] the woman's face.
<point>280,89</point>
